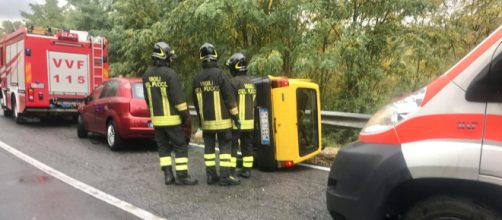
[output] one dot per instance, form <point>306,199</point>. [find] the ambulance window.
<point>487,86</point>
<point>110,89</point>
<point>307,120</point>
<point>496,66</point>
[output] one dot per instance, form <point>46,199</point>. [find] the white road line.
<point>300,164</point>
<point>143,214</point>
<point>314,167</point>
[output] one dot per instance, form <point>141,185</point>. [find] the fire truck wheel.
<point>81,131</point>
<point>7,112</point>
<point>17,116</point>
<point>112,136</point>
<point>449,207</point>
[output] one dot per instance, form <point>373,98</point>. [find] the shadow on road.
<point>130,146</point>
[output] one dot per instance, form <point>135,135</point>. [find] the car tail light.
<point>287,164</point>
<point>280,83</point>
<point>31,95</point>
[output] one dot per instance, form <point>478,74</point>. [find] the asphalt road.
<point>133,175</point>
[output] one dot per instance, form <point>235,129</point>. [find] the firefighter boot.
<point>227,179</point>
<point>212,176</point>
<point>245,172</point>
<point>182,178</point>
<point>233,172</point>
<point>168,175</point>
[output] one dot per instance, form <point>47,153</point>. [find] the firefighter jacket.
<point>213,98</point>
<point>164,96</point>
<point>245,93</point>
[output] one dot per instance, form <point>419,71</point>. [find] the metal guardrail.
<point>332,118</point>
<point>344,119</point>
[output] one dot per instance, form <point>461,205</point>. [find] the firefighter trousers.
<point>246,145</point>
<point>168,139</point>
<point>224,144</point>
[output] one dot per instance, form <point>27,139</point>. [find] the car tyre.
<point>113,138</point>
<point>449,207</point>
<point>81,131</point>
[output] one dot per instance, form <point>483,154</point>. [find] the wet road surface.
<point>133,175</point>
<point>28,193</point>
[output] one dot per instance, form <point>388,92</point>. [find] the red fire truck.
<point>46,72</point>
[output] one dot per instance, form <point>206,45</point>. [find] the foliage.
<point>362,53</point>
<point>9,27</point>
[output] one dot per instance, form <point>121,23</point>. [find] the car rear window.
<point>137,91</point>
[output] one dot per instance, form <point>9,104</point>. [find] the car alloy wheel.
<point>113,137</point>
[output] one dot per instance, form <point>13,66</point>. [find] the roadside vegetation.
<point>362,53</point>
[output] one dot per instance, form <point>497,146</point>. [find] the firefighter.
<point>216,107</point>
<point>245,93</point>
<point>169,113</point>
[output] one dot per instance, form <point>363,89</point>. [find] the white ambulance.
<point>436,154</point>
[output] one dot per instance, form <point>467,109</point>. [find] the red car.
<point>117,109</point>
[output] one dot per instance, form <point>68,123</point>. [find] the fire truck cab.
<point>47,72</point>
<point>436,154</point>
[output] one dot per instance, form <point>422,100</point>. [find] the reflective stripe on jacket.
<point>164,96</point>
<point>213,98</point>
<point>245,92</point>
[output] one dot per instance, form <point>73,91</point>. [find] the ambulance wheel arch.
<point>417,194</point>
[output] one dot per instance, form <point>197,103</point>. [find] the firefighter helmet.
<point>162,51</point>
<point>237,64</point>
<point>207,53</point>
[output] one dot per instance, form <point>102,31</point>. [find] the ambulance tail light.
<point>31,95</point>
<point>280,83</point>
<point>387,117</point>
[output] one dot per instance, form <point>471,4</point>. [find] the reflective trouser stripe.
<point>210,160</point>
<point>247,161</point>
<point>181,163</point>
<point>225,160</point>
<point>201,111</point>
<point>233,162</point>
<point>165,161</point>
<point>165,102</point>
<point>181,167</point>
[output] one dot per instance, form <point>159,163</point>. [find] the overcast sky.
<point>11,9</point>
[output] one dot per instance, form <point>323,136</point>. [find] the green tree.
<point>48,14</point>
<point>9,27</point>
